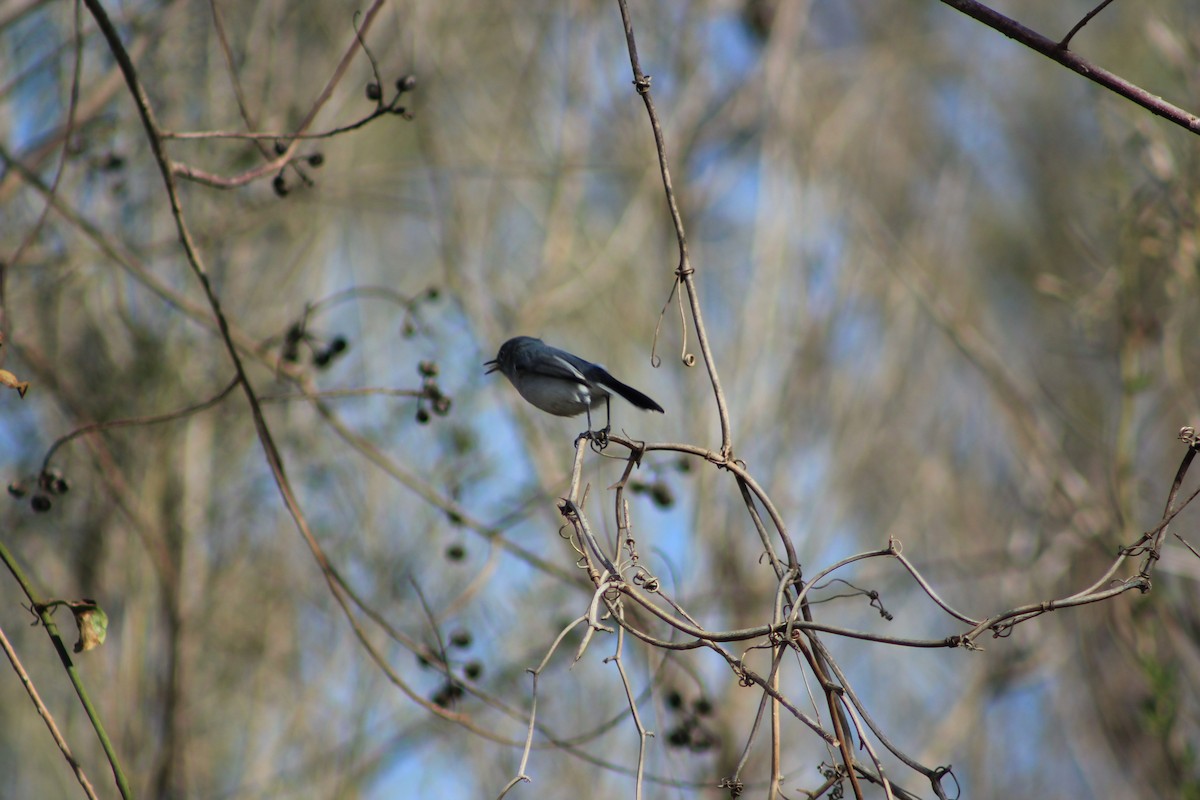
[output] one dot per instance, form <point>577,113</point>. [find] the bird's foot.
<point>598,439</point>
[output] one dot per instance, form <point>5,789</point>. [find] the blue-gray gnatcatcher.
<point>559,382</point>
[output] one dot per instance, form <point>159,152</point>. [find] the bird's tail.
<point>631,394</point>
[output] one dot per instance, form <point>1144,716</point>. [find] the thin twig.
<point>684,272</point>
<point>1169,511</point>
<point>1026,612</point>
<point>68,131</point>
<point>155,419</point>
<point>643,734</point>
<point>929,590</point>
<point>1066,40</point>
<point>46,716</point>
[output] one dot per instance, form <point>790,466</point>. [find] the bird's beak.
<point>492,365</point>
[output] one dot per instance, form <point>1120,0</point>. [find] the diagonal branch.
<point>1057,51</point>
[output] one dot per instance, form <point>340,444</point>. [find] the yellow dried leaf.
<point>92,622</point>
<point>8,379</point>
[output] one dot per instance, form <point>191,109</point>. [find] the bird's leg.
<point>599,438</point>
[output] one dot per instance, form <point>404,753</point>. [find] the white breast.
<point>557,396</point>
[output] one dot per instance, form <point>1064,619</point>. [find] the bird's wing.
<point>561,365</point>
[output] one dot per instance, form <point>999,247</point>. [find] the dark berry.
<point>447,695</point>
<point>661,494</point>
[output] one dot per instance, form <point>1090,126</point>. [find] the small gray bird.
<point>559,382</point>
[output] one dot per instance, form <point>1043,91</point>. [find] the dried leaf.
<point>92,622</point>
<point>8,379</point>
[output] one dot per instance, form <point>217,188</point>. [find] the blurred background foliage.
<point>947,283</point>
